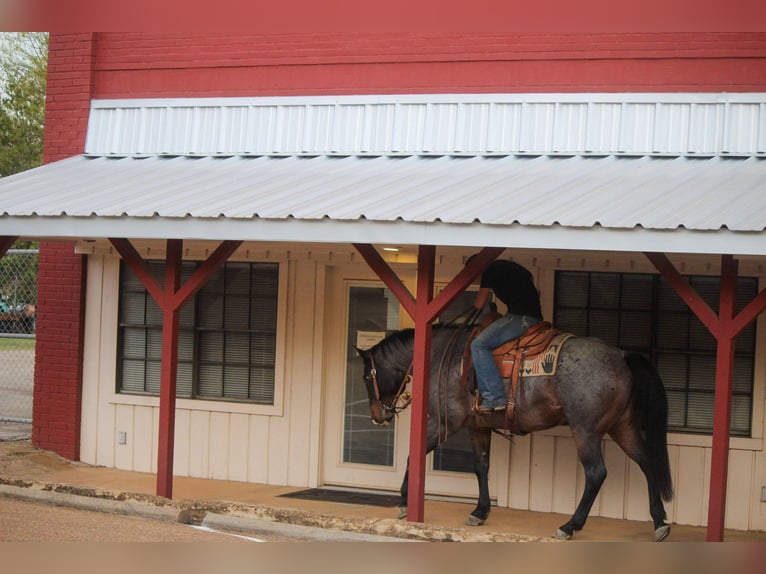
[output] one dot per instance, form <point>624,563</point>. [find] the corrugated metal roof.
<point>493,193</point>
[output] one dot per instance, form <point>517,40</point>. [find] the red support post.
<point>724,327</point>
<point>722,407</point>
<point>169,368</point>
<point>171,296</point>
<point>421,370</point>
<point>423,309</point>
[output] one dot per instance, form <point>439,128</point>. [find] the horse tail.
<point>651,407</point>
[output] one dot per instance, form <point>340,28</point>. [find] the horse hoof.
<point>561,535</point>
<point>402,513</point>
<point>474,520</point>
<point>662,533</point>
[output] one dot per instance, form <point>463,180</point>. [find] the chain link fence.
<point>18,316</point>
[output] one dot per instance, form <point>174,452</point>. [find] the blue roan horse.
<point>596,390</point>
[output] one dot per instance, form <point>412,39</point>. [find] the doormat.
<point>345,497</point>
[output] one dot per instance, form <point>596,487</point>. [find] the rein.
<point>406,397</point>
<point>469,317</point>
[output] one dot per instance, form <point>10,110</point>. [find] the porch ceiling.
<point>615,203</point>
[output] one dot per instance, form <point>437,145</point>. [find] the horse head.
<point>386,388</point>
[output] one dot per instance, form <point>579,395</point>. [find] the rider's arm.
<point>481,298</point>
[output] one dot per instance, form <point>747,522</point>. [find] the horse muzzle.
<point>380,416</point>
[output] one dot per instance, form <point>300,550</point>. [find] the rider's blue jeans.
<point>501,331</point>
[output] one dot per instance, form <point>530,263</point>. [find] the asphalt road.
<point>25,521</point>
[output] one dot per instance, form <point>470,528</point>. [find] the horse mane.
<point>399,344</point>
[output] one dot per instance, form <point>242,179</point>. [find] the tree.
<point>23,67</point>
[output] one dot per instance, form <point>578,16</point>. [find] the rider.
<point>514,286</point>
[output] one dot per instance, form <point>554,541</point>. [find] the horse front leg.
<point>589,451</point>
<point>481,439</point>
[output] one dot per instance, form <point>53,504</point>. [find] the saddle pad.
<point>544,363</point>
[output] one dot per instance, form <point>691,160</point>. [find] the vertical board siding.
<point>258,451</point>
<point>143,438</point>
<point>645,124</point>
<point>219,445</point>
<point>691,469</point>
<point>612,495</point>
<point>182,445</point>
<point>123,421</point>
<point>199,444</point>
<point>739,482</point>
<point>238,446</point>
<point>541,475</point>
<point>565,476</point>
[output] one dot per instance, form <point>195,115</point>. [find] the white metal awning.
<point>623,203</point>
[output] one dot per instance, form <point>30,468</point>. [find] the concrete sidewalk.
<point>27,472</point>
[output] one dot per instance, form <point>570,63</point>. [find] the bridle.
<point>405,396</point>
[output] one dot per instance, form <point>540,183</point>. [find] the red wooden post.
<point>724,372</point>
<point>423,310</point>
<point>421,371</point>
<point>169,368</point>
<point>171,297</point>
<point>724,327</point>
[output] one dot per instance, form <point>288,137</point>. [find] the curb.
<point>128,506</point>
<point>249,518</point>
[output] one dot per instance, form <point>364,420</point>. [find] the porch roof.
<point>617,202</point>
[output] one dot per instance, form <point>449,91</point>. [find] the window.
<point>227,339</point>
<point>643,313</point>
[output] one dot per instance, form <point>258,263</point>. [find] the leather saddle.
<point>509,358</point>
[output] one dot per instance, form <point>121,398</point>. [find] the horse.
<point>596,390</point>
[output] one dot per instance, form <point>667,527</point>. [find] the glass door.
<point>357,453</point>
<point>373,312</point>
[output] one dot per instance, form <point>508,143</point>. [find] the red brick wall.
<point>174,65</point>
<point>58,365</point>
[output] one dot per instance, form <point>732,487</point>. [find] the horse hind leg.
<point>589,451</point>
<point>629,441</point>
